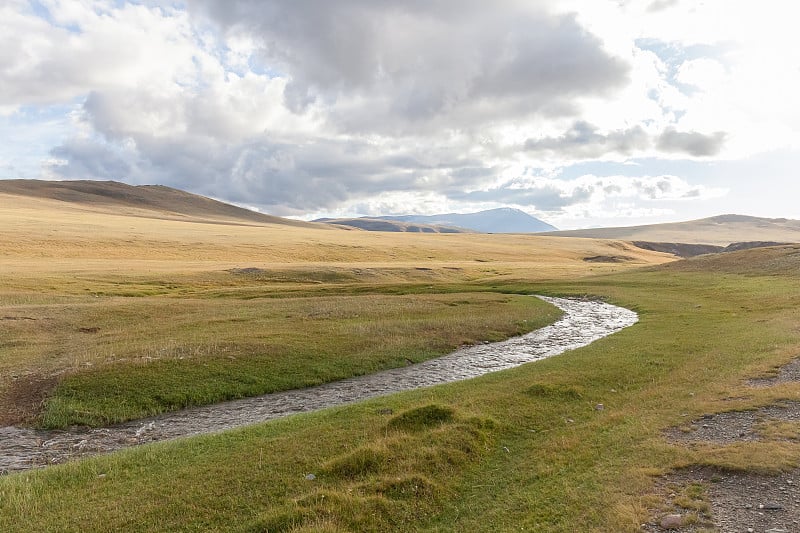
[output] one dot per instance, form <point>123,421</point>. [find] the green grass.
<point>522,449</point>
<point>128,358</point>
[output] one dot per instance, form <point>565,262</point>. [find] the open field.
<point>520,449</point>
<point>101,301</point>
<point>103,312</point>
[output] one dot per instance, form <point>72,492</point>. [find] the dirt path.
<point>584,321</point>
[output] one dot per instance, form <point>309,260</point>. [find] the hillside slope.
<point>380,224</point>
<point>720,230</point>
<point>156,201</point>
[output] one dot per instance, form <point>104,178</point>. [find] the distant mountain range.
<point>502,220</point>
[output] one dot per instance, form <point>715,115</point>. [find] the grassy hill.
<point>156,201</point>
<point>720,230</point>
<point>87,227</point>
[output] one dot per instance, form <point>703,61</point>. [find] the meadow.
<point>522,449</point>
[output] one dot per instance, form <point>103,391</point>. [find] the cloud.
<point>408,67</point>
<point>553,196</point>
<point>583,141</point>
<point>661,5</point>
<point>74,49</point>
<point>82,159</point>
<point>691,143</point>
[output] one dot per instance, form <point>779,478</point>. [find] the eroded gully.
<point>583,322</point>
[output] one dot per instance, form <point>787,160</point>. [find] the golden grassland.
<point>41,235</point>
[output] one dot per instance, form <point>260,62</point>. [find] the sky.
<point>583,113</point>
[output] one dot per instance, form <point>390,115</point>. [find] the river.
<point>583,322</point>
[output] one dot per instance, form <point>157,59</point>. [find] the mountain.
<point>720,230</point>
<point>150,201</point>
<point>502,220</point>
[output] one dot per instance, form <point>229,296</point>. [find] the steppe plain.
<point>113,310</point>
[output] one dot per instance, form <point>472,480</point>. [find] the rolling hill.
<point>720,230</point>
<point>149,201</point>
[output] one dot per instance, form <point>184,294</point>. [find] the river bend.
<point>583,322</point>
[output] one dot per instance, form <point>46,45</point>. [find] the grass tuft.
<point>422,418</point>
<point>358,463</point>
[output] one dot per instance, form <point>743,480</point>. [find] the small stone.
<point>773,506</point>
<point>750,530</point>
<point>672,521</point>
<point>570,421</point>
<point>776,530</point>
<point>310,477</point>
<point>599,407</point>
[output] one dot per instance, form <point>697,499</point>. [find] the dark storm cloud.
<point>583,141</point>
<point>691,143</point>
<point>387,66</point>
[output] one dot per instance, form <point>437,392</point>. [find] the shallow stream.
<point>583,322</point>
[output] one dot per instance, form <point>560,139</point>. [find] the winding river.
<point>583,322</point>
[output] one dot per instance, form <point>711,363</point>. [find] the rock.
<point>776,530</point>
<point>310,477</point>
<point>773,506</point>
<point>599,407</point>
<point>672,521</point>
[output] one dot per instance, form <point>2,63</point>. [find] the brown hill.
<point>151,201</point>
<point>380,224</point>
<point>775,261</point>
<point>720,230</point>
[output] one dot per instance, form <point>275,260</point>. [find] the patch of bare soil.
<point>786,374</point>
<point>709,499</point>
<point>735,426</point>
<point>23,398</point>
